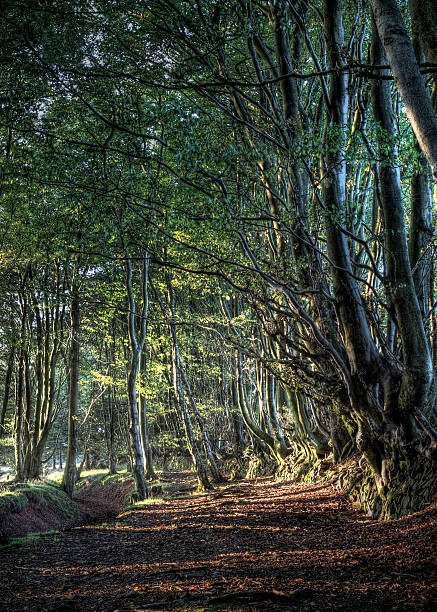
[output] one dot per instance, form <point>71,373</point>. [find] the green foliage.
<point>119,477</point>
<point>40,493</point>
<point>104,155</point>
<point>7,448</point>
<point>30,538</point>
<point>12,501</point>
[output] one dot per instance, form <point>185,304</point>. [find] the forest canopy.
<point>217,239</point>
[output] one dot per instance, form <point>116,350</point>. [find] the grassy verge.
<point>29,538</point>
<point>32,509</point>
<point>17,498</point>
<point>40,507</point>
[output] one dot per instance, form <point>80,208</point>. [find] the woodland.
<point>217,246</point>
<point>218,292</point>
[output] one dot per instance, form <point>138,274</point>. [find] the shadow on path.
<point>256,545</point>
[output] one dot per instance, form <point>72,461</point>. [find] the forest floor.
<point>251,545</point>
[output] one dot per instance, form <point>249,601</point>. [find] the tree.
<point>275,166</point>
<point>400,53</point>
<point>136,347</point>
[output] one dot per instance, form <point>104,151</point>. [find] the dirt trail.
<point>256,545</point>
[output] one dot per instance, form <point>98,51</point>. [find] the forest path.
<point>253,545</point>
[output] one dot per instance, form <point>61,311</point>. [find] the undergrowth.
<point>18,497</point>
<point>352,476</point>
<point>40,506</point>
<point>29,538</point>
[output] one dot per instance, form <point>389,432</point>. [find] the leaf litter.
<point>254,545</point>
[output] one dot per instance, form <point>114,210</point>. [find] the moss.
<point>259,465</point>
<point>12,501</point>
<point>119,477</point>
<point>40,493</point>
<point>30,538</point>
<point>102,477</point>
<point>45,493</point>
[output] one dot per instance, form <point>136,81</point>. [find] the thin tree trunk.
<point>136,347</point>
<point>145,440</point>
<point>7,389</point>
<point>216,475</point>
<point>69,478</point>
<point>193,447</point>
<point>421,227</point>
<point>18,425</point>
<point>360,347</point>
<point>265,440</point>
<point>111,424</point>
<point>19,394</point>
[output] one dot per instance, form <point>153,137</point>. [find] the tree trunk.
<point>145,440</point>
<point>361,350</point>
<point>216,475</point>
<point>19,394</point>
<point>193,447</point>
<point>111,450</point>
<point>265,440</point>
<point>424,21</point>
<point>18,425</point>
<point>417,374</point>
<point>69,477</point>
<point>136,348</point>
<point>7,389</point>
<point>134,429</point>
<point>410,82</point>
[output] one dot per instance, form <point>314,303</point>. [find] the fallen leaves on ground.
<point>254,545</point>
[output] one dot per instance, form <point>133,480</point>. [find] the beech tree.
<point>283,155</point>
<point>385,387</point>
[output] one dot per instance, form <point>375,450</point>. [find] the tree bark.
<point>193,447</point>
<point>136,348</point>
<point>69,478</point>
<point>7,389</point>
<point>417,374</point>
<point>424,20</point>
<point>410,82</point>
